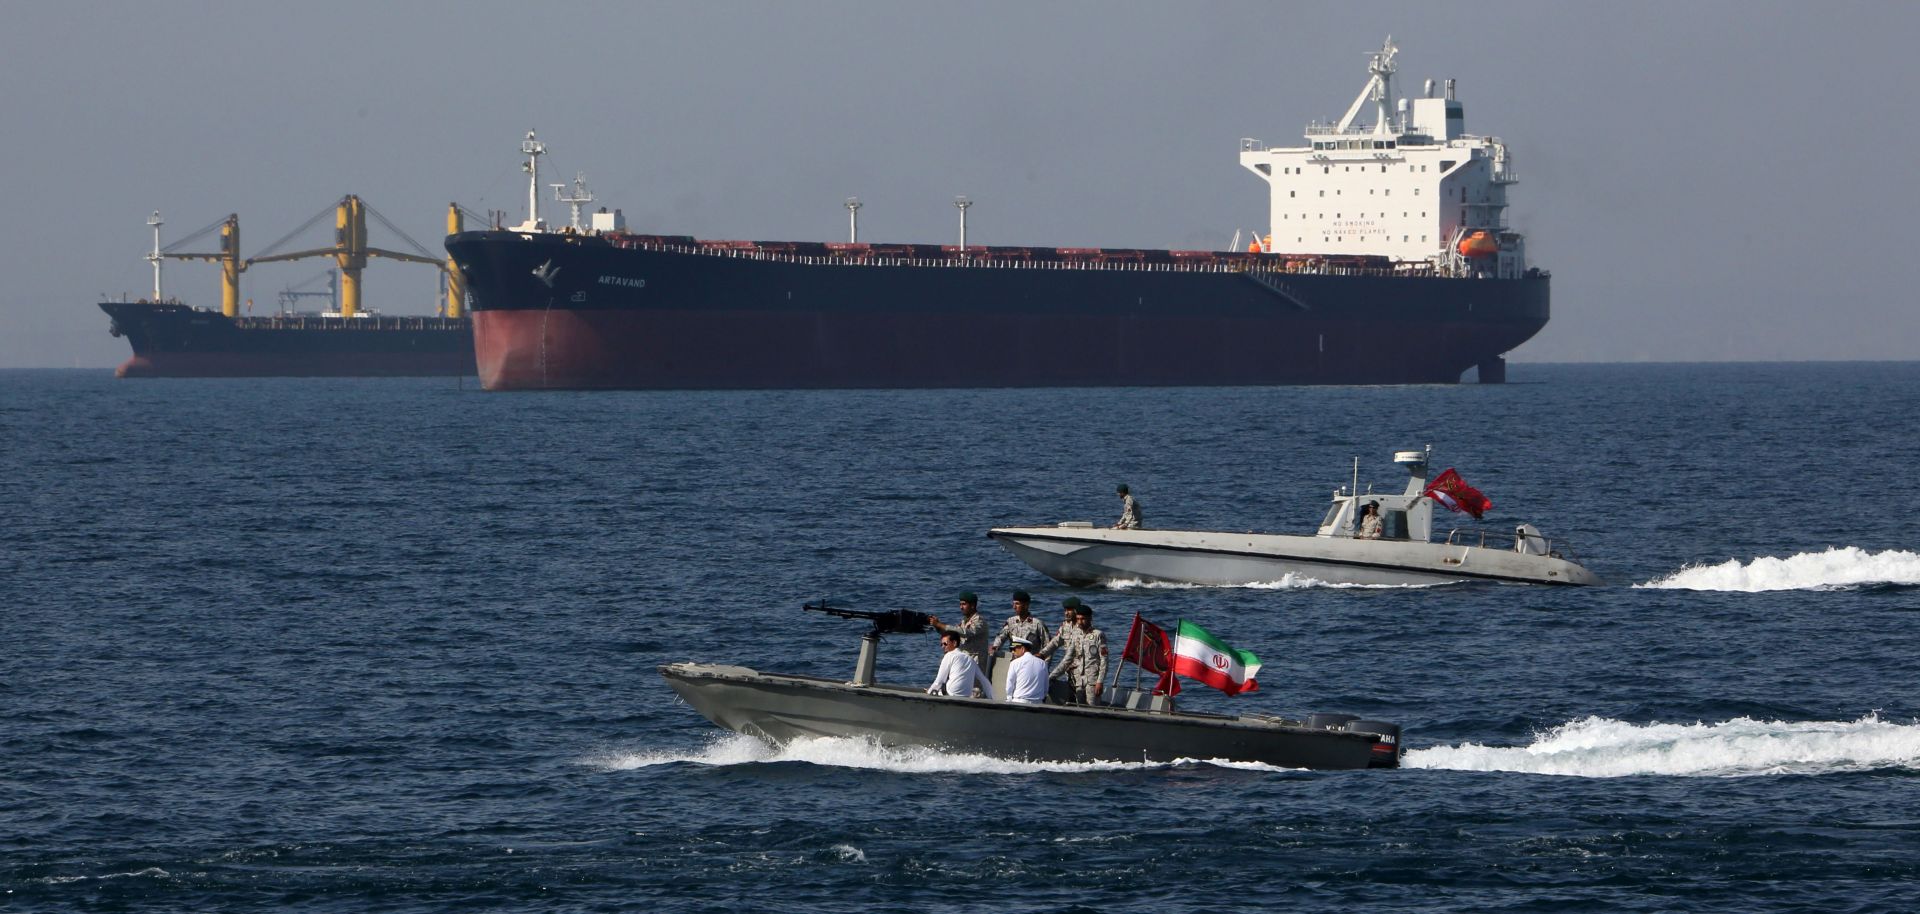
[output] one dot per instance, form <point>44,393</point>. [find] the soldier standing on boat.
<point>1060,652</point>
<point>1090,658</point>
<point>1020,625</point>
<point>972,630</point>
<point>1129,510</point>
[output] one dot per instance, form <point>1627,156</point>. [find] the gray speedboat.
<point>1137,727</point>
<point>1407,551</point>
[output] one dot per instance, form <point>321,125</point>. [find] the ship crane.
<point>350,250</point>
<point>228,257</point>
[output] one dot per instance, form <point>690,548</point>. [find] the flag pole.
<point>1123,659</point>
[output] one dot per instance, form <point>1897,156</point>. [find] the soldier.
<point>1063,644</point>
<point>1090,658</point>
<point>1020,625</point>
<point>1129,510</point>
<point>972,630</point>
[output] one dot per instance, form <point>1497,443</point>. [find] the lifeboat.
<point>1479,244</point>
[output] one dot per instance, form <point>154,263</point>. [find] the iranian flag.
<point>1199,655</point>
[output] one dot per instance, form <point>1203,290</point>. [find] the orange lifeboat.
<point>1479,244</point>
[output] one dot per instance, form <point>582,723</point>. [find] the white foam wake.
<point>1286,582</point>
<point>1601,748</point>
<point>1834,569</point>
<point>736,749</point>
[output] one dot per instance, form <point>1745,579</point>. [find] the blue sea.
<point>390,646</point>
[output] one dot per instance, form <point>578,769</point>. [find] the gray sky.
<point>1706,181</point>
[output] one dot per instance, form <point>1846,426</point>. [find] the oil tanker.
<point>1387,260</point>
<point>172,339</point>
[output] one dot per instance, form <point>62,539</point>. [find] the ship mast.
<point>533,149</point>
<point>1379,90</point>
<point>580,195</point>
<point>961,204</point>
<point>155,257</point>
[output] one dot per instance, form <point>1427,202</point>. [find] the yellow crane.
<point>349,252</point>
<point>228,258</point>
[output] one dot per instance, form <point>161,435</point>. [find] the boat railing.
<point>1483,538</point>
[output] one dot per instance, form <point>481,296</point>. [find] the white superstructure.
<point>1413,186</point>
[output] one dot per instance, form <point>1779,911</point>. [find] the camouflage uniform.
<point>1030,628</point>
<point>1090,664</point>
<point>973,637</point>
<point>1129,513</point>
<point>1061,644</point>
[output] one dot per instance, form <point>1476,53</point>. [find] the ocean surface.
<point>390,646</point>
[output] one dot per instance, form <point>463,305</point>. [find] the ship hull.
<point>176,341</point>
<point>780,709</point>
<point>561,311</point>
<point>1085,557</point>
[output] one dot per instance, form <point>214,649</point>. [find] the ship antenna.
<point>533,149</point>
<point>853,220</point>
<point>155,258</point>
<point>580,195</point>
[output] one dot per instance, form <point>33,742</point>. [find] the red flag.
<point>1149,648</point>
<point>1450,490</point>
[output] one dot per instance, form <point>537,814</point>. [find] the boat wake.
<point>1286,582</point>
<point>1601,748</point>
<point>735,749</point>
<point>1847,568</point>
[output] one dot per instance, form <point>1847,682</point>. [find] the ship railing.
<point>1279,264</point>
<point>1317,129</point>
<point>1484,538</point>
<point>383,322</point>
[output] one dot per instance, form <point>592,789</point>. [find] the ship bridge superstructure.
<point>1412,186</point>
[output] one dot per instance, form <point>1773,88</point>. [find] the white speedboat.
<point>1406,551</point>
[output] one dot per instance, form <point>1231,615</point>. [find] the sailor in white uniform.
<point>1027,676</point>
<point>958,675</point>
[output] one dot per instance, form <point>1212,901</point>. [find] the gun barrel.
<point>891,621</point>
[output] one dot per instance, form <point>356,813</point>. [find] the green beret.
<point>1070,603</point>
<point>968,596</point>
<point>1122,490</point>
<point>1021,596</point>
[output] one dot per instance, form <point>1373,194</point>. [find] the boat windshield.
<point>1333,514</point>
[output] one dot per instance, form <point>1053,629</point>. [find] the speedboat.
<point>1405,551</point>
<point>1136,726</point>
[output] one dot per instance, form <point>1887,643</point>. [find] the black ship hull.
<point>176,341</point>
<point>573,311</point>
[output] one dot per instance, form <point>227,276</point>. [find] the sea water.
<point>390,645</point>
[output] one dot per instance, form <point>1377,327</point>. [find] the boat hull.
<point>1085,557</point>
<point>564,311</point>
<point>780,709</point>
<point>177,341</point>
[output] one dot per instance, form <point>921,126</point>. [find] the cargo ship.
<point>1387,260</point>
<point>173,339</point>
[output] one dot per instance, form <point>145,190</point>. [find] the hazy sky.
<point>1706,181</point>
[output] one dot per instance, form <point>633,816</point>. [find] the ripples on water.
<point>389,645</point>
